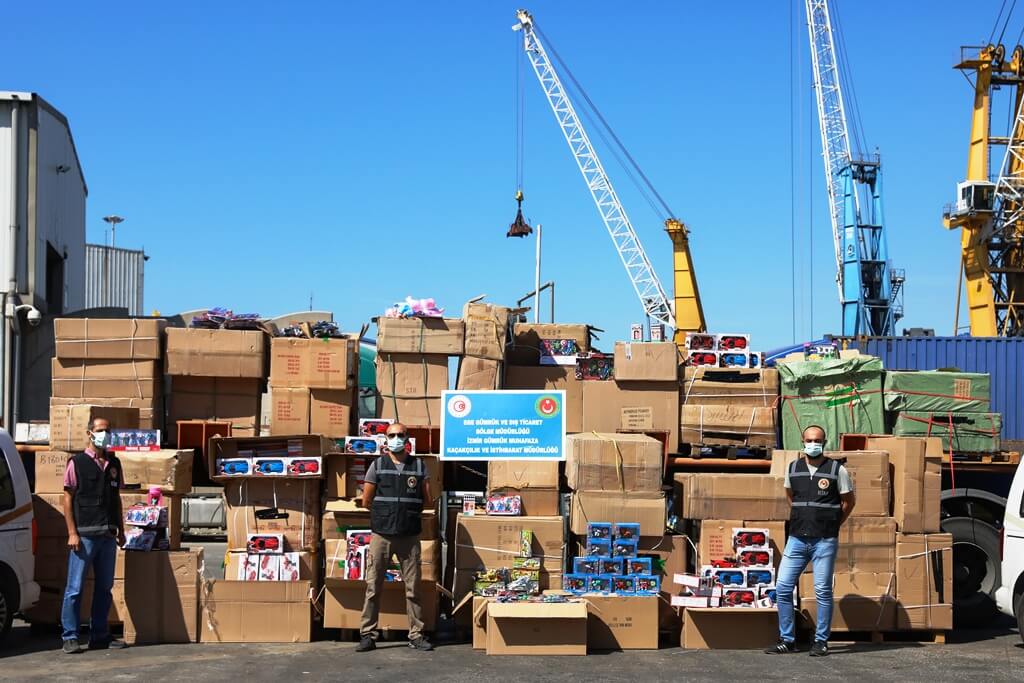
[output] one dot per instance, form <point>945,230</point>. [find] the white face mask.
<point>99,439</point>
<point>813,450</point>
<point>396,444</point>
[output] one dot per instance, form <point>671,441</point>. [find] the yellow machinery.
<point>686,295</point>
<point>991,214</point>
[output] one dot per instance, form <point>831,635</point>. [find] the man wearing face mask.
<point>95,522</point>
<point>396,491</point>
<point>820,492</point>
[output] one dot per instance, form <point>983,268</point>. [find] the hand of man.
<point>74,542</point>
<point>120,538</point>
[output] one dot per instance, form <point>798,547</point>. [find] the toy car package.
<point>624,547</point>
<point>760,577</point>
<point>265,543</point>
<point>744,537</point>
<point>575,583</point>
<point>733,359</point>
<point>508,506</point>
<point>627,531</point>
<point>739,597</point>
<point>289,569</point>
<point>303,467</point>
<point>733,342</point>
<point>586,565</point>
<point>612,566</point>
<point>730,577</point>
<point>599,530</point>
<point>270,567</point>
<point>758,557</point>
<point>234,467</point>
<point>249,568</point>
<point>766,596</point>
<point>364,445</point>
<point>638,565</point>
<point>149,516</point>
<point>697,341</point>
<point>599,547</point>
<point>699,358</point>
<point>647,584</point>
<point>269,467</point>
<point>624,585</point>
<point>374,427</point>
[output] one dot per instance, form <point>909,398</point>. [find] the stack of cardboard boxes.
<point>313,386</point>
<point>729,407</point>
<point>487,333</point>
<point>412,366</point>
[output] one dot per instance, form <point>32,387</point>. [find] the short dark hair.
<point>92,422</point>
<point>815,427</point>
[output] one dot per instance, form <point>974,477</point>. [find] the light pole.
<point>113,220</point>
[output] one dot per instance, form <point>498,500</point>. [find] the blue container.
<point>1001,357</point>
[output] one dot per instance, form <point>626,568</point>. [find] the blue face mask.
<point>813,450</point>
<point>396,444</point>
<point>99,439</point>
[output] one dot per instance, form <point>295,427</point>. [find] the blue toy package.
<point>647,584</point>
<point>627,531</point>
<point>599,547</point>
<point>624,585</point>
<point>599,584</point>
<point>586,565</point>
<point>730,577</point>
<point>638,565</point>
<point>624,547</point>
<point>575,583</point>
<point>613,566</point>
<point>599,530</point>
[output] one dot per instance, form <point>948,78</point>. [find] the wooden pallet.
<point>699,450</point>
<point>882,637</point>
<point>1003,458</point>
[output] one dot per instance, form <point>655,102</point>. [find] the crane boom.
<point>641,274</point>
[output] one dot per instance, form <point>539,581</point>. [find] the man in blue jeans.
<point>92,512</point>
<point>821,494</point>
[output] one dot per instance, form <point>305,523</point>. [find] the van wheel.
<point>7,608</point>
<point>976,570</point>
<point>1018,609</point>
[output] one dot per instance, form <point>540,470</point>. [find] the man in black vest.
<point>821,494</point>
<point>396,491</point>
<point>95,522</point>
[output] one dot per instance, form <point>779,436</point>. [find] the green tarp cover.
<point>937,391</point>
<point>969,432</point>
<point>843,395</point>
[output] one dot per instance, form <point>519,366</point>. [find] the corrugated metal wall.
<point>1001,357</point>
<point>114,278</point>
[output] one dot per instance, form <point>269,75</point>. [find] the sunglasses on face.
<point>398,434</point>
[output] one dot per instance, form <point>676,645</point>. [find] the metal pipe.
<point>536,281</point>
<point>16,372</point>
<point>12,280</point>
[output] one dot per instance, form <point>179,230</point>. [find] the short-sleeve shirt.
<point>845,482</point>
<point>71,478</point>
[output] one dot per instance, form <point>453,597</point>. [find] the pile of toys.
<point>265,560</point>
<point>518,582</point>
<point>611,564</point>
<point>282,459</point>
<point>745,579</point>
<point>720,351</point>
<point>147,523</point>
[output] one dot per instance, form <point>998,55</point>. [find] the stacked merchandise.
<point>729,407</point>
<point>720,351</point>
<point>743,578</point>
<point>487,334</point>
<point>612,563</point>
<point>313,381</point>
<point>108,363</point>
<point>946,404</point>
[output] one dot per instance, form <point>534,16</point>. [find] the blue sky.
<point>363,152</point>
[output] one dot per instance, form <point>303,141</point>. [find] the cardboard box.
<point>728,425</point>
<point>444,336</point>
<point>289,411</point>
<point>69,424</point>
<point>869,471</point>
<point>866,544</point>
<point>673,551</point>
<point>708,386</point>
<point>486,330</point>
<point>527,337</point>
<point>551,378</point>
<point>50,467</point>
<point>522,474</point>
<point>732,496</point>
<point>627,622</point>
<point>161,594</point>
<point>651,361</point>
<point>100,338</point>
<point>960,432</point>
<point>410,387</point>
<point>916,468</point>
<point>335,553</point>
<point>494,542</point>
<point>151,414</point>
<point>611,406</point>
<point>73,378</point>
<point>924,581</point>
<point>613,462</point>
<point>716,628</point>
<point>533,628</point>
<point>257,612</point>
<point>222,399</point>
<point>332,412</point>
<point>716,538</point>
<point>861,601</point>
<point>344,600</point>
<point>534,502</point>
<point>171,470</point>
<point>646,508</point>
<point>313,363</point>
<point>306,446</point>
<point>198,352</point>
<point>940,391</point>
<point>297,500</point>
<point>309,566</point>
<point>48,511</point>
<point>479,620</point>
<point>478,374</point>
<point>342,515</point>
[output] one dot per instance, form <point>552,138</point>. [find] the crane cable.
<point>1007,21</point>
<point>520,107</point>
<point>846,73</point>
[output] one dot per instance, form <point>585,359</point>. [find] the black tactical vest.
<point>816,505</point>
<point>95,503</point>
<point>398,504</point>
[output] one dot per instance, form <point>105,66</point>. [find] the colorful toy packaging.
<point>627,531</point>
<point>739,597</point>
<point>638,565</point>
<point>647,584</point>
<point>599,584</point>
<point>586,565</point>
<point>743,538</point>
<point>623,547</point>
<point>624,585</point>
<point>755,557</point>
<point>599,530</point>
<point>595,367</point>
<point>612,566</point>
<point>575,583</point>
<point>265,543</point>
<point>599,547</point>
<point>508,506</point>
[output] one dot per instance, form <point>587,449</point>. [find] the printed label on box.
<point>638,417</point>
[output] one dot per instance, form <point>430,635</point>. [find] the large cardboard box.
<point>843,395</point>
<point>646,508</point>
<point>537,628</point>
<point>611,406</point>
<point>866,544</point>
<point>443,336</point>
<point>715,628</point>
<point>478,374</point>
<point>309,566</point>
<point>342,515</point>
<point>170,469</point>
<point>75,378</point>
<point>216,353</point>
<point>344,600</point>
<point>647,361</point>
<point>869,471</point>
<point>50,467</point>
<point>302,444</point>
<point>102,338</point>
<point>223,399</point>
<point>151,413</point>
<point>335,553</point>
<point>257,612</point>
<point>716,538</point>
<point>527,337</point>
<point>548,378</point>
<point>706,386</point>
<point>728,425</point>
<point>732,496</point>
<point>297,505</point>
<point>622,622</point>
<point>493,542</point>
<point>536,483</point>
<point>940,391</point>
<point>289,411</point>
<point>916,468</point>
<point>313,363</point>
<point>960,432</point>
<point>332,412</point>
<point>861,601</point>
<point>613,462</point>
<point>410,387</point>
<point>924,581</point>
<point>69,424</point>
<point>486,330</point>
<point>161,594</point>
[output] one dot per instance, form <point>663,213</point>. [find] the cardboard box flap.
<point>171,470</point>
<point>344,505</point>
<point>537,610</point>
<point>421,335</point>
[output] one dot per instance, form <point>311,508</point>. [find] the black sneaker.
<point>366,644</point>
<point>107,644</point>
<point>781,648</point>
<point>421,644</point>
<point>819,649</point>
<point>71,647</point>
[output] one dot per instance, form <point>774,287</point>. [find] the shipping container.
<point>114,278</point>
<point>1001,357</point>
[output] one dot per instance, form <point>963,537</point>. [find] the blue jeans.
<point>101,553</point>
<point>800,550</point>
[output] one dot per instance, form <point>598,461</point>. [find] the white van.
<point>18,591</point>
<point>1010,595</point>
